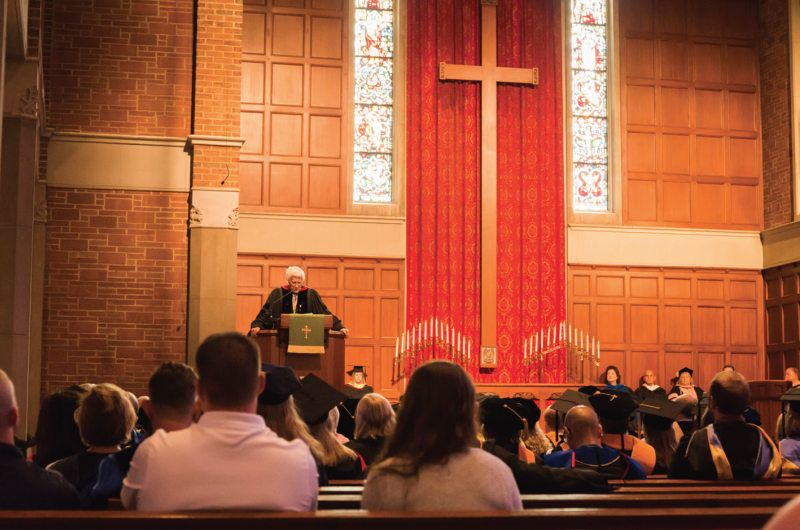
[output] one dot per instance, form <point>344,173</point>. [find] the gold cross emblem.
<point>306,329</point>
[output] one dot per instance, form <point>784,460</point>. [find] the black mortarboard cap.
<point>315,399</point>
<point>502,417</point>
<point>532,410</point>
<point>357,369</point>
<point>589,390</point>
<point>569,399</point>
<point>686,369</point>
<point>613,404</point>
<point>281,383</point>
<point>659,414</point>
<point>793,397</point>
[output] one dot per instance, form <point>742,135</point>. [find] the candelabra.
<point>417,345</point>
<point>576,344</point>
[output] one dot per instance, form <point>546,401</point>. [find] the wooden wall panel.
<point>367,294</point>
<point>294,105</point>
<point>783,318</point>
<point>664,319</point>
<point>691,124</point>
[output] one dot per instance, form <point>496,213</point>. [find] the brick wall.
<point>115,286</point>
<point>119,66</point>
<point>773,37</point>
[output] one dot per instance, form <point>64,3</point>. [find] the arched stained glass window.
<point>374,101</point>
<point>589,106</point>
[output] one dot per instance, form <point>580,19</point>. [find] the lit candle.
<point>413,337</point>
<point>548,336</point>
<point>426,331</point>
<point>581,339</point>
<point>397,348</point>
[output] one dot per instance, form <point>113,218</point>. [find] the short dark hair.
<point>731,392</point>
<point>172,390</point>
<point>728,366</point>
<point>605,374</point>
<point>228,366</point>
<point>614,426</point>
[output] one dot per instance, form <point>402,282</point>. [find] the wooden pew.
<point>563,519</point>
<point>613,500</point>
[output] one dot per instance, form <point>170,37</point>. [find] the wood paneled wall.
<point>664,319</point>
<point>367,294</point>
<point>691,145</point>
<point>294,99</point>
<point>783,319</point>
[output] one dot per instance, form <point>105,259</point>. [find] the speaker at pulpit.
<point>328,366</point>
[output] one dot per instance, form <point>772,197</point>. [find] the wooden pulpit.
<point>328,366</point>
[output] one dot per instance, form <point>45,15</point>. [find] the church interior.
<point>618,171</point>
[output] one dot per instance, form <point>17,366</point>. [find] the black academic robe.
<point>534,479</point>
<point>357,393</point>
<point>740,442</point>
<point>643,393</point>
<point>280,301</point>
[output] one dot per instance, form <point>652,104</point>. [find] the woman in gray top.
<point>429,463</point>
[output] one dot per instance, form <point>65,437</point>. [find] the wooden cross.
<point>489,74</point>
<point>306,329</point>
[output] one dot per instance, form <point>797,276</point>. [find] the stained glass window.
<point>589,106</point>
<point>374,101</point>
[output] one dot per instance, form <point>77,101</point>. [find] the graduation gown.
<point>536,479</point>
<point>677,390</point>
<point>726,451</point>
<point>635,448</point>
<point>308,301</point>
<point>643,393</point>
<point>790,452</point>
<point>353,392</point>
<point>604,460</point>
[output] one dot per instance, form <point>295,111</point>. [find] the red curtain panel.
<point>443,178</point>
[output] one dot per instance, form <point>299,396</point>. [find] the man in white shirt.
<point>229,459</point>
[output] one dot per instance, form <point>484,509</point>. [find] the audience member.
<point>57,434</point>
<point>614,409</point>
<point>649,389</point>
<point>171,406</point>
<point>658,418</point>
<point>582,429</point>
<point>277,406</point>
<point>375,421</point>
<point>728,368</point>
<point>792,375</point>
<point>229,459</point>
<point>24,485</point>
<point>504,421</point>
<point>685,422</point>
<point>428,463</point>
<point>685,386</point>
<point>533,438</point>
<point>788,432</point>
<point>357,387</point>
<point>729,448</point>
<point>105,418</point>
<point>341,463</point>
<point>551,417</point>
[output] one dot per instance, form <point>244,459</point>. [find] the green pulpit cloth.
<point>306,334</point>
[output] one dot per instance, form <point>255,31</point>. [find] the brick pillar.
<point>215,143</point>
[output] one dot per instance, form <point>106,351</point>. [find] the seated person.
<point>24,485</point>
<point>729,448</point>
<point>582,429</point>
<point>316,403</point>
<point>229,459</point>
<point>613,380</point>
<point>614,409</point>
<point>105,418</point>
<point>276,405</point>
<point>685,421</point>
<point>793,376</point>
<point>658,417</point>
<point>57,434</point>
<point>374,424</point>
<point>685,386</point>
<point>503,424</point>
<point>550,417</point>
<point>429,463</point>
<point>504,421</point>
<point>357,387</point>
<point>788,432</point>
<point>649,389</point>
<point>170,406</point>
<point>533,438</point>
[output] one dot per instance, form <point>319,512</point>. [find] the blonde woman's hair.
<point>105,416</point>
<point>284,421</point>
<point>374,417</point>
<point>333,452</point>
